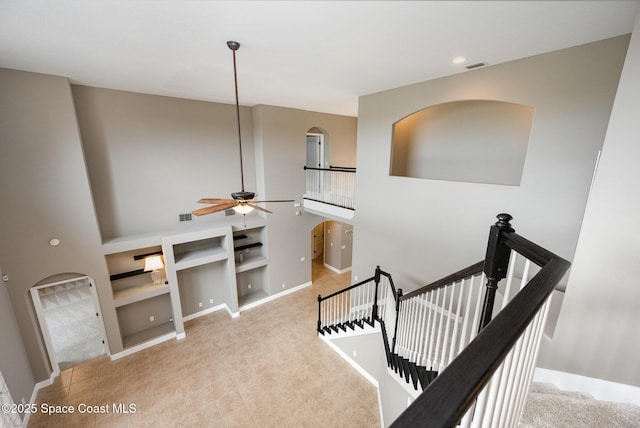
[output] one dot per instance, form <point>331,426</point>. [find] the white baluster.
<point>466,319</point>
<point>478,310</point>
<point>439,339</point>
<point>456,325</point>
<point>433,301</point>
<point>445,357</point>
<point>421,333</point>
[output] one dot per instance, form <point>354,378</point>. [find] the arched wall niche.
<point>479,141</point>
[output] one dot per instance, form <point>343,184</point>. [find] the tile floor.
<point>266,368</point>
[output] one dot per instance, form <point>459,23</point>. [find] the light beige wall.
<point>45,193</point>
<point>419,230</point>
<point>338,242</point>
<point>150,158</point>
<point>280,158</point>
<point>14,362</point>
<point>597,334</point>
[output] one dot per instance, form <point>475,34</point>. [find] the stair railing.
<point>436,322</point>
<point>446,327</point>
<point>365,302</point>
<point>486,385</point>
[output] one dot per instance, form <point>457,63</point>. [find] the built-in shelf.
<point>247,246</point>
<point>122,244</point>
<point>199,256</point>
<point>135,294</point>
<point>252,262</point>
<point>154,333</point>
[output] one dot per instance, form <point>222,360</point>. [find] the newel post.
<point>374,311</point>
<point>319,313</point>
<point>495,264</point>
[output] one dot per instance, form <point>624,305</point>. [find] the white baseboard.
<point>146,345</point>
<point>275,296</point>
<point>600,389</point>
<point>204,312</point>
<point>37,387</point>
<point>336,270</point>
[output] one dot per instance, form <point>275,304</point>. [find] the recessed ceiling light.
<point>459,60</point>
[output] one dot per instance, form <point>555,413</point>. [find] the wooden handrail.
<point>454,277</point>
<point>320,299</point>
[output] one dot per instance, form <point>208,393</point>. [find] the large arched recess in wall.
<point>480,141</point>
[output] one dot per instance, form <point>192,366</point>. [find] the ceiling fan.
<point>242,202</point>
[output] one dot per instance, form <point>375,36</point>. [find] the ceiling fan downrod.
<point>234,46</point>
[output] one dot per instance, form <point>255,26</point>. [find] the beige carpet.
<point>548,406</point>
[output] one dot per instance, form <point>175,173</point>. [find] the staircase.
<point>444,330</point>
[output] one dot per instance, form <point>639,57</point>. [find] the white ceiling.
<point>318,55</point>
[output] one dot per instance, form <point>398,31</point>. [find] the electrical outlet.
<point>199,304</point>
<point>211,301</point>
<point>283,285</point>
<point>303,259</point>
<point>152,318</point>
<point>249,286</point>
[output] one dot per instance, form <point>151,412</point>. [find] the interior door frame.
<point>44,327</point>
<point>321,150</point>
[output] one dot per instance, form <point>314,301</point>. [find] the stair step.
<point>422,376</point>
<point>405,368</point>
<point>413,372</point>
<point>398,364</point>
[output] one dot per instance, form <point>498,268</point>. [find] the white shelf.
<point>135,294</point>
<point>151,334</point>
<point>199,257</point>
<point>120,245</point>
<point>250,263</point>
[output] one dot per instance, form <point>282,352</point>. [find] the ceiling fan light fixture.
<point>243,209</point>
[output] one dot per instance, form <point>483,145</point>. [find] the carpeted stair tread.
<point>550,407</point>
<point>551,389</point>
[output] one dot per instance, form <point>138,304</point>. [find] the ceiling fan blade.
<point>276,200</point>
<point>215,201</point>
<point>258,208</point>
<point>214,208</point>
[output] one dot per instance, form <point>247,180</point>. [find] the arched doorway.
<point>331,248</point>
<point>70,320</point>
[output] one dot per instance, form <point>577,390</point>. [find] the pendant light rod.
<point>234,46</point>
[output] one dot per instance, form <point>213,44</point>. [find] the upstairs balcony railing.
<point>334,186</point>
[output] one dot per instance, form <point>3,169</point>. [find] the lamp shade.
<point>153,263</point>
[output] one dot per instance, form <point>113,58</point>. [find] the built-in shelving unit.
<point>251,261</point>
<point>208,267</point>
<point>201,264</point>
<point>143,309</point>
